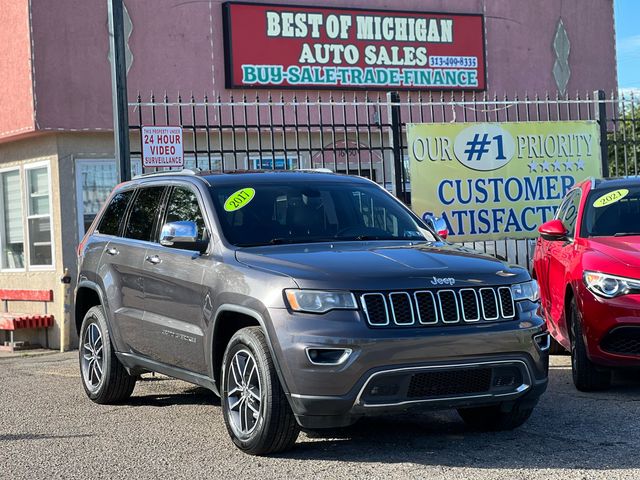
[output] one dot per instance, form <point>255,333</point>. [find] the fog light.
<point>384,390</point>
<point>328,356</point>
<point>507,376</point>
<point>543,340</point>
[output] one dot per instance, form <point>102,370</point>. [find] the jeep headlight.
<point>526,291</point>
<point>610,286</point>
<point>319,301</point>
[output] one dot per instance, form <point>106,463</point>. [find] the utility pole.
<point>119,89</point>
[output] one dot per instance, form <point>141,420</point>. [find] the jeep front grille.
<point>438,307</point>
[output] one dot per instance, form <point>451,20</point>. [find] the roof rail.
<point>318,170</point>
<point>184,171</point>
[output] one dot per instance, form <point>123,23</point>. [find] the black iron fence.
<point>345,136</point>
<point>365,134</point>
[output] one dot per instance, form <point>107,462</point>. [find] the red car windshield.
<point>612,212</point>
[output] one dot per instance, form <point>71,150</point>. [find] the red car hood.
<point>623,249</point>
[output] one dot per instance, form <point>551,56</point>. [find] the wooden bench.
<point>12,321</point>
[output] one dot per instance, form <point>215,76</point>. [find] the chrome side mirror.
<point>183,235</point>
<point>438,224</point>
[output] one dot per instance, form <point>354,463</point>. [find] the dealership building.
<point>57,162</point>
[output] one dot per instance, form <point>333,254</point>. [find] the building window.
<point>39,216</point>
<point>274,163</point>
<point>11,233</point>
<point>94,181</point>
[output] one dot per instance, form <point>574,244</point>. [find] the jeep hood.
<point>381,265</point>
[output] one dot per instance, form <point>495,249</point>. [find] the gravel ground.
<point>170,429</point>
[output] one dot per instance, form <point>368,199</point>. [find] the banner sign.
<point>494,181</point>
<point>302,47</point>
<point>162,147</point>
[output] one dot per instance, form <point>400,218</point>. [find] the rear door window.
<point>114,213</point>
<point>144,211</point>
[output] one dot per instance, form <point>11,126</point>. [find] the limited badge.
<point>611,197</point>
<point>239,199</point>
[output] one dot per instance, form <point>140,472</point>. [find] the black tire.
<point>587,376</point>
<point>115,384</point>
<point>275,429</point>
<point>494,418</point>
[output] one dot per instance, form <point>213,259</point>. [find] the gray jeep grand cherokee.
<point>304,300</point>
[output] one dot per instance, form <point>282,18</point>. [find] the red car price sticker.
<point>611,197</point>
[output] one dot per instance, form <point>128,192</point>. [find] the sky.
<point>627,15</point>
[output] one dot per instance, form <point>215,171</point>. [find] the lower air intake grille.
<point>623,341</point>
<point>452,382</point>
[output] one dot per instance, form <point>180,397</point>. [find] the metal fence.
<point>365,134</point>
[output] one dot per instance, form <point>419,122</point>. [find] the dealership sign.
<point>162,147</point>
<point>494,181</point>
<point>285,46</point>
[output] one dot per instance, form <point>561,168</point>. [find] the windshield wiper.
<point>362,238</point>
<point>379,237</point>
<point>285,241</point>
<point>273,241</point>
<point>625,234</point>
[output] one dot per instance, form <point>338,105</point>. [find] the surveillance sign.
<point>162,146</point>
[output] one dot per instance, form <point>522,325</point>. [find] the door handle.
<point>153,259</point>
<point>112,251</point>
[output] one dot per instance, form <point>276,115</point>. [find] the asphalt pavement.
<point>170,429</point>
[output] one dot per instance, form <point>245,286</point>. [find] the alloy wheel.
<point>92,357</point>
<point>244,393</point>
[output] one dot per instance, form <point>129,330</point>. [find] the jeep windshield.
<point>613,213</point>
<point>282,212</point>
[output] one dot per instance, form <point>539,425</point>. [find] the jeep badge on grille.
<point>443,281</point>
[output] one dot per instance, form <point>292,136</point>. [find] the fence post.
<point>393,100</point>
<point>602,120</point>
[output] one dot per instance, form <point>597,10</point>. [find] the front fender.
<point>256,310</point>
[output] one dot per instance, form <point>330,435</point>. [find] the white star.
<point>568,165</point>
<point>557,166</point>
<point>532,166</point>
<point>580,164</point>
<point>545,166</point>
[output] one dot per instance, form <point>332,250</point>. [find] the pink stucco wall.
<point>177,46</point>
<point>16,100</point>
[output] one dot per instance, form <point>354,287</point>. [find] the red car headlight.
<point>610,286</point>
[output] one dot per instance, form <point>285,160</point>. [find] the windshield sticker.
<point>611,197</point>
<point>239,199</point>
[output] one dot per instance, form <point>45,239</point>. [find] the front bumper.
<point>602,318</point>
<point>337,395</point>
<point>338,411</point>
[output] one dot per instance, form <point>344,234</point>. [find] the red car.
<point>587,262</point>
